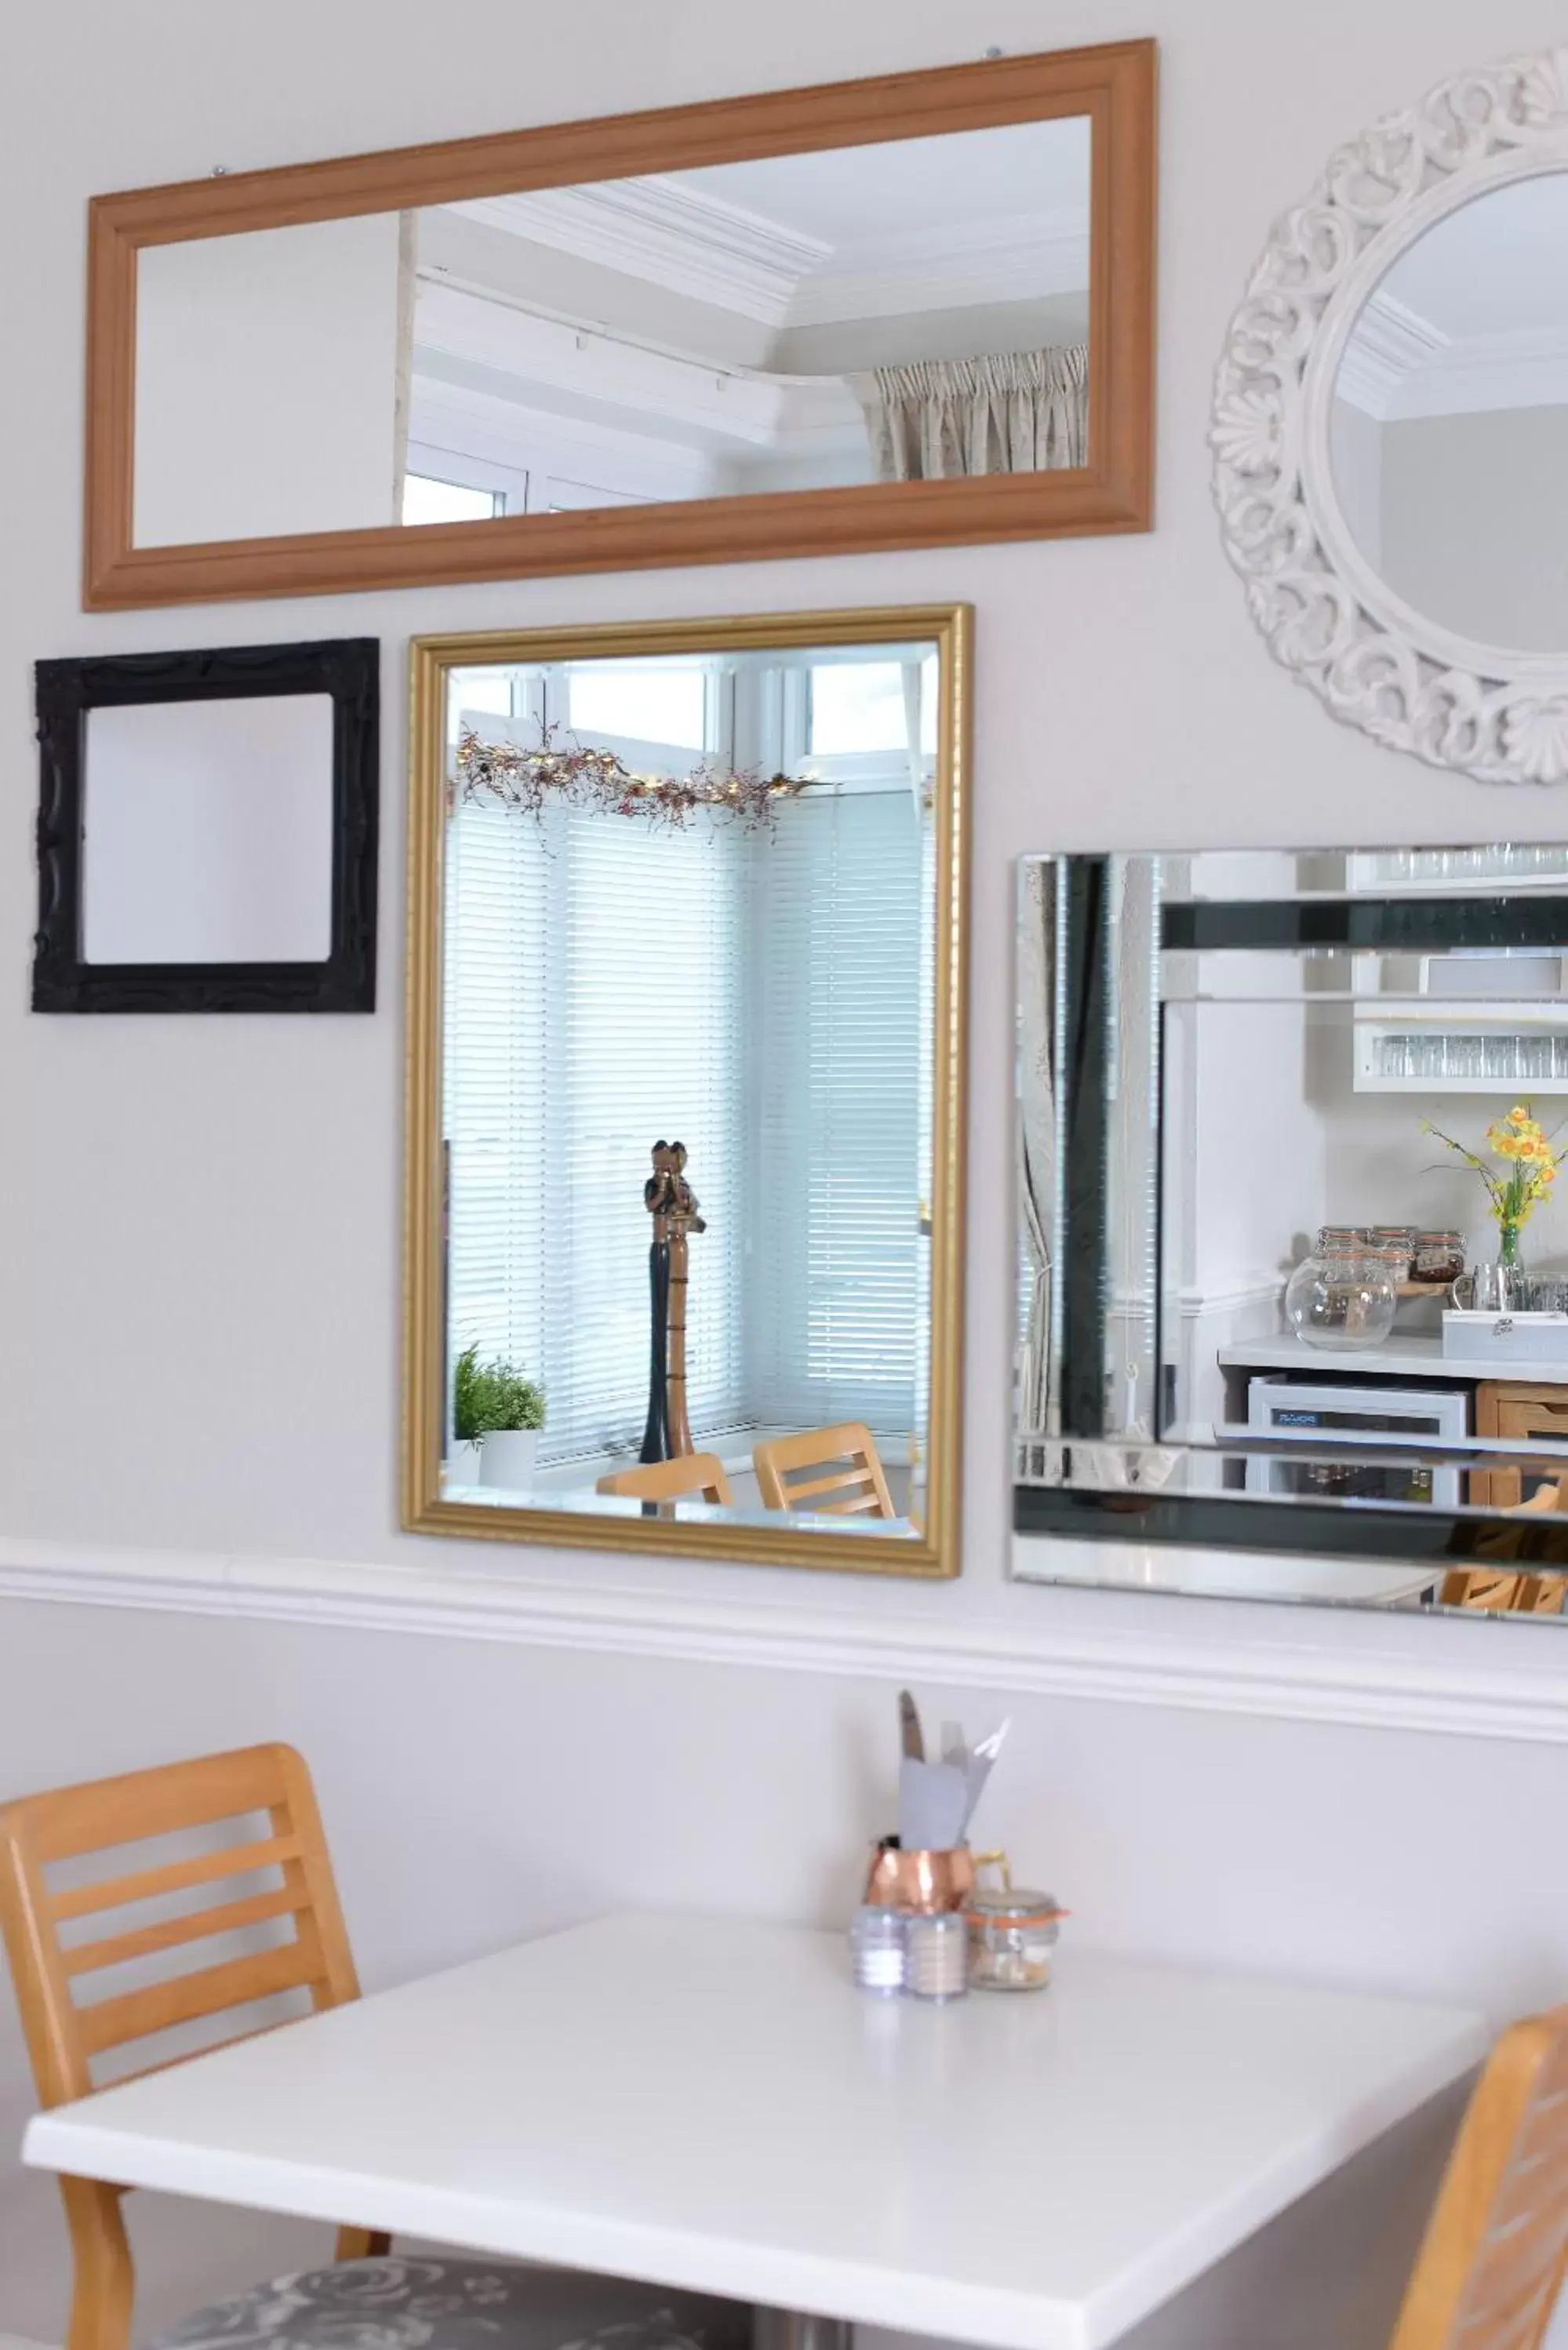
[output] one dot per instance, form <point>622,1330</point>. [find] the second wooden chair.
<point>837,1470</point>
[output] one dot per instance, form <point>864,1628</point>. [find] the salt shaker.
<point>877,1939</point>
<point>936,1957</point>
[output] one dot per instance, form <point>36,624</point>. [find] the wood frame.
<point>1114,85</point>
<point>935,1551</point>
<point>346,669</point>
<point>63,2037</point>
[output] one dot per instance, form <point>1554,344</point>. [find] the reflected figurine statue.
<point>672,1203</point>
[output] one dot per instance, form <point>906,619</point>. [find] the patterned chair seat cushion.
<point>437,2304</point>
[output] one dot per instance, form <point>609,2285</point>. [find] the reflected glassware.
<point>1343,1300</point>
<point>1491,1289</point>
<point>1439,1256</point>
<point>1397,1243</point>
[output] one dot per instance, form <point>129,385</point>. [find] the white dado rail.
<point>1373,1669</point>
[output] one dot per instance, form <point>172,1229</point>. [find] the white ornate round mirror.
<point>1391,429</point>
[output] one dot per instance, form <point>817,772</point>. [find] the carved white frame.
<point>1489,711</point>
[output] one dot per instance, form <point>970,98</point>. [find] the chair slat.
<point>185,1999</point>
<point>148,1884</point>
<point>195,1926</point>
<point>145,1804</point>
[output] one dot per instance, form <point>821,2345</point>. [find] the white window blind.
<point>592,1010</point>
<point>836,1333</point>
<point>762,997</point>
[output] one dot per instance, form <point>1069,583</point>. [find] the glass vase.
<point>1334,1300</point>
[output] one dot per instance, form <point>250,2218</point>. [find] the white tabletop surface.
<point>1226,1575</point>
<point>713,2104</point>
<point>1405,1359</point>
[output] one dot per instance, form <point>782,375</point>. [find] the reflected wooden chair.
<point>1491,2265</point>
<point>300,1921</point>
<point>690,1476</point>
<point>836,1470</point>
<point>1498,1591</point>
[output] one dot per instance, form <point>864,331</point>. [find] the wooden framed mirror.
<point>903,312</point>
<point>687,911</point>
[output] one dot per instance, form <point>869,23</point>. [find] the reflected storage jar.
<point>1010,1938</point>
<point>1343,1300</point>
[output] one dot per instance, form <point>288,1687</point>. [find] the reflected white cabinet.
<point>1469,1021</point>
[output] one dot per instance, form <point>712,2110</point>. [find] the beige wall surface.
<point>198,1307</point>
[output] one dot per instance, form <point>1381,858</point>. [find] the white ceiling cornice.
<point>1399,366</point>
<point>1388,343</point>
<point>664,234</point>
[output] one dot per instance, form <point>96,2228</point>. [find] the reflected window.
<point>427,500</point>
<point>658,704</point>
<point>862,707</point>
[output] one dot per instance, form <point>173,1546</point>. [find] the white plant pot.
<point>463,1464</point>
<point>507,1456</point>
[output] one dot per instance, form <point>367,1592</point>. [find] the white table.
<point>713,2106</point>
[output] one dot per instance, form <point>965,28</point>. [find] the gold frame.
<point>1114,85</point>
<point>936,1552</point>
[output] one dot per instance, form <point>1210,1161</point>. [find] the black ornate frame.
<point>348,668</point>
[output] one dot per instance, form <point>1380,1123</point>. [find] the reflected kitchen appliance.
<point>1346,1417</point>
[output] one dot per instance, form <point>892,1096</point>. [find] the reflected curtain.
<point>1013,413</point>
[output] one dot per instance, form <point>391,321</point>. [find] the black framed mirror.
<point>207,830</point>
<point>1293,1274</point>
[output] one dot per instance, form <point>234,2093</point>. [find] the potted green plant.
<point>496,1415</point>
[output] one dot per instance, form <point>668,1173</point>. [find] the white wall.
<point>198,1297</point>
<point>266,375</point>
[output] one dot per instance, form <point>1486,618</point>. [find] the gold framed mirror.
<point>686,1053</point>
<point>911,311</point>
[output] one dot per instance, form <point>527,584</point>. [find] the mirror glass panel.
<point>207,831</point>
<point>909,310</point>
<point>1449,424</point>
<point>1294,1268</point>
<point>690,1087</point>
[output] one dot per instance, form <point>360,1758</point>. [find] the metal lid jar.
<point>1011,1932</point>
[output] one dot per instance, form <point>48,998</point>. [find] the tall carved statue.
<point>672,1203</point>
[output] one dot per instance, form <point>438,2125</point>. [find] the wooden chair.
<point>837,1470</point>
<point>1488,2273</point>
<point>1498,1591</point>
<point>506,2306</point>
<point>691,1474</point>
<point>64,2039</point>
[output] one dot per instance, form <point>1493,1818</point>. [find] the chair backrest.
<point>698,1475</point>
<point>832,1469</point>
<point>38,1831</point>
<point>1488,2273</point>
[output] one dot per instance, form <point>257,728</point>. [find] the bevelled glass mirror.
<point>687,911</point>
<point>1292,1264</point>
<point>895,312</point>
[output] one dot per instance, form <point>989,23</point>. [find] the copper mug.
<point>922,1881</point>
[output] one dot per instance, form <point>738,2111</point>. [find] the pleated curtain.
<point>1013,413</point>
